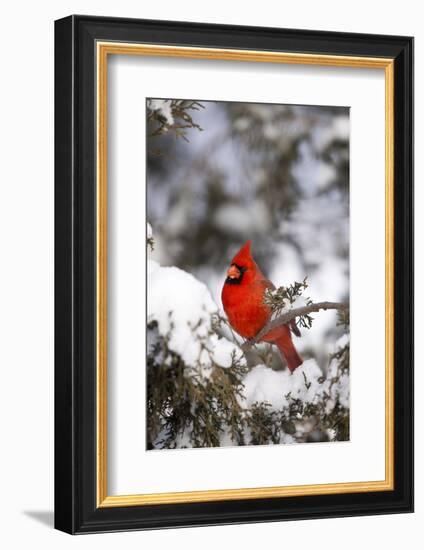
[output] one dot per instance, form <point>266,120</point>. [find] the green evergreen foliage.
<point>282,297</point>
<point>184,405</point>
<point>177,119</point>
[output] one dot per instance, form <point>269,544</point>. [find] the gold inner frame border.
<point>103,50</point>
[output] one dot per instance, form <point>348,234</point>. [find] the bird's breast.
<point>245,308</point>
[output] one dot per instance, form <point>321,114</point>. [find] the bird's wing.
<point>264,284</point>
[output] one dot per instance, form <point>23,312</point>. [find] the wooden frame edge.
<point>103,49</point>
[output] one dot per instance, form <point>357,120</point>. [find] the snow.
<point>224,351</point>
<point>278,388</point>
<point>183,307</point>
<point>307,384</point>
<point>163,106</point>
<point>149,231</point>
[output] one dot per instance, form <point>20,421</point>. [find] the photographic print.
<point>248,274</point>
<point>213,254</point>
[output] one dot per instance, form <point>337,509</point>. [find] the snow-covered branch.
<point>290,315</point>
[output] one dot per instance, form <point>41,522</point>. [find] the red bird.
<point>243,301</point>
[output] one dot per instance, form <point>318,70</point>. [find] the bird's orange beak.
<point>233,272</point>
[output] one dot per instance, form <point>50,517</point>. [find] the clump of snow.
<point>149,231</point>
<point>163,106</point>
<point>183,308</point>
<point>224,352</point>
<point>278,388</point>
<point>307,384</point>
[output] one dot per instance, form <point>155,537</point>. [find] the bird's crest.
<point>244,255</point>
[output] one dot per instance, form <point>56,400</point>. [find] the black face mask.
<point>238,280</point>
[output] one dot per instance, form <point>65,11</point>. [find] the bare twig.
<point>289,316</point>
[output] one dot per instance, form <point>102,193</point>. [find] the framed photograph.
<point>234,274</point>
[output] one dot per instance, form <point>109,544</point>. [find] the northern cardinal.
<point>243,301</point>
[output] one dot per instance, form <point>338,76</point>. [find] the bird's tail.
<point>289,352</point>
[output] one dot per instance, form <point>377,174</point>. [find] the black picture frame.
<point>76,509</point>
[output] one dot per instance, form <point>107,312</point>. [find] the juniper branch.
<point>289,316</point>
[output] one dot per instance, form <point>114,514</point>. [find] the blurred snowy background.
<point>276,174</point>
